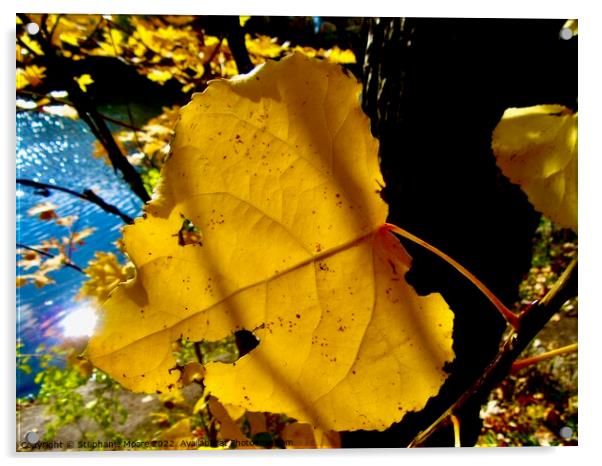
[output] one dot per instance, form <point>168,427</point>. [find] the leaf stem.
<point>506,313</point>
<point>522,363</point>
<point>456,422</point>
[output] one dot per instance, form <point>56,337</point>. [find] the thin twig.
<point>522,363</point>
<point>533,319</point>
<point>90,115</point>
<point>67,262</point>
<point>120,123</point>
<point>71,104</point>
<point>87,195</point>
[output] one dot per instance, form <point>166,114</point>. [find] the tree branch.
<point>87,195</point>
<point>71,104</point>
<point>236,41</point>
<point>89,114</point>
<point>533,318</point>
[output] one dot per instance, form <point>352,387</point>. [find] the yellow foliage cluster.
<point>31,75</point>
<point>160,47</point>
<point>105,272</point>
<point>148,146</point>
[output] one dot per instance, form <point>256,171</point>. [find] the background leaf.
<point>536,147</point>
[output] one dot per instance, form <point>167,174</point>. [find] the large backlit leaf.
<point>536,147</point>
<point>277,174</point>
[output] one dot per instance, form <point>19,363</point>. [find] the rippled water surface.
<point>57,150</point>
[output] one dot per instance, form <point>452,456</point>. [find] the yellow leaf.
<point>83,81</point>
<point>279,172</point>
<point>71,38</point>
<point>31,75</point>
<point>105,274</point>
<point>44,210</point>
<point>160,76</point>
<point>191,372</point>
<point>67,221</point>
<point>336,55</point>
<point>264,46</point>
<point>229,430</point>
<point>536,147</point>
<point>243,20</point>
<point>39,278</point>
<point>79,236</point>
<point>200,405</point>
<point>181,430</point>
<point>32,44</point>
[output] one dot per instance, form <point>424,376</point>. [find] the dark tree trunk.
<point>434,90</point>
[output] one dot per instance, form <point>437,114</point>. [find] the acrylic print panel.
<point>291,232</point>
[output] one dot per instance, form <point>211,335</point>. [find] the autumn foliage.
<point>266,217</point>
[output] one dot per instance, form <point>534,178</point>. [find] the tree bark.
<point>434,90</point>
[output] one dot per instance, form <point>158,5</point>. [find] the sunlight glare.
<point>79,322</point>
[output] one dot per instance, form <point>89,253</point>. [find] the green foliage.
<point>62,380</point>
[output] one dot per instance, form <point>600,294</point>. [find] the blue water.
<point>57,150</point>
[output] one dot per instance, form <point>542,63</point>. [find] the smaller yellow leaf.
<point>243,20</point>
<point>53,263</point>
<point>200,405</point>
<point>181,430</point>
<point>160,76</point>
<point>192,372</point>
<point>83,81</point>
<point>71,38</point>
<point>31,75</point>
<point>228,428</point>
<point>45,211</point>
<point>105,274</point>
<point>67,221</point>
<point>264,46</point>
<point>536,148</point>
<point>336,55</point>
<point>39,278</point>
<point>80,235</point>
<point>32,44</point>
